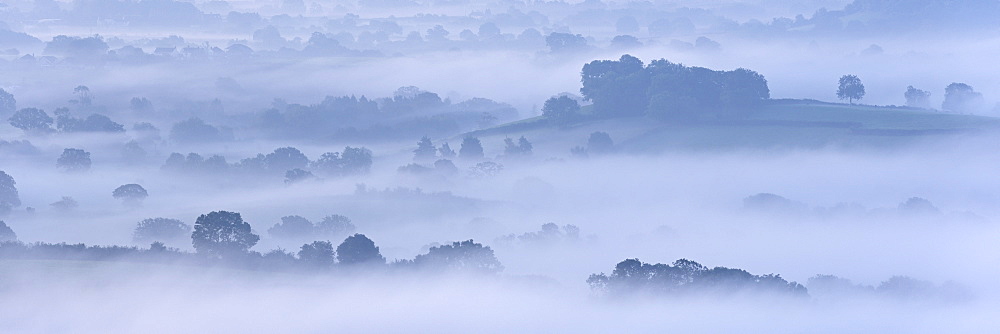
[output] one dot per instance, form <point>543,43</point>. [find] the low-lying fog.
<point>309,115</point>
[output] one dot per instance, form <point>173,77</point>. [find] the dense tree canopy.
<point>633,277</point>
<point>669,91</point>
<point>358,249</point>
<point>561,109</point>
<point>222,234</point>
<point>467,256</point>
<point>31,120</point>
<point>74,160</point>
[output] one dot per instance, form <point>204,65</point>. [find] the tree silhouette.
<point>358,249</point>
<point>222,234</point>
<point>130,194</point>
<point>850,88</point>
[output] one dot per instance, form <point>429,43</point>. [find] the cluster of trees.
<point>549,233</point>
<point>896,287</point>
<point>409,113</point>
<point>471,149</point>
<point>958,97</point>
<point>684,277</point>
<point>36,121</point>
<point>224,237</point>
<point>298,227</point>
<point>287,161</point>
<point>664,90</point>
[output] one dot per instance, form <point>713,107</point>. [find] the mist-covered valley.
<point>461,166</point>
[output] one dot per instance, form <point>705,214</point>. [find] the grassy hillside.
<point>779,124</point>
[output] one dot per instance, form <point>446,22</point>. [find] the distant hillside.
<point>778,124</point>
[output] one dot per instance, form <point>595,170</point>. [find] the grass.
<point>779,124</point>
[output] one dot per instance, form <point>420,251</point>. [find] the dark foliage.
<point>359,250</point>
<point>684,277</point>
<point>222,234</point>
<point>669,91</point>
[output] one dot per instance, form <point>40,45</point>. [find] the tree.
<point>74,160</point>
<point>466,256</point>
<point>522,148</point>
<point>850,88</point>
<point>617,87</point>
<point>160,229</point>
<point>298,175</point>
<point>130,194</point>
<point>471,149</point>
<point>446,151</point>
<point>194,130</point>
<point>960,97</point>
<point>31,120</point>
<point>292,227</point>
<point>65,204</point>
<point>561,109</point>
<point>425,150</point>
<point>358,249</point>
<point>9,197</point>
<point>563,42</point>
<point>285,158</point>
<point>140,105</point>
<point>742,91</point>
<point>917,98</point>
<point>222,234</point>
<point>8,105</point>
<point>334,226</point>
<point>318,254</point>
<point>353,161</point>
<point>600,143</point>
<point>6,233</point>
<point>86,98</point>
<point>132,152</point>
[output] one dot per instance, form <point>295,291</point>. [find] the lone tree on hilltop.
<point>850,88</point>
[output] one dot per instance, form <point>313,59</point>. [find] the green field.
<point>795,124</point>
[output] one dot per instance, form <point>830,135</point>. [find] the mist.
<point>465,166</point>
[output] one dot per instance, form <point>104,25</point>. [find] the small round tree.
<point>318,254</point>
<point>850,88</point>
<point>358,249</point>
<point>222,234</point>
<point>74,160</point>
<point>130,194</point>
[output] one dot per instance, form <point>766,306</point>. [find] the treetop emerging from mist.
<point>222,233</point>
<point>669,91</point>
